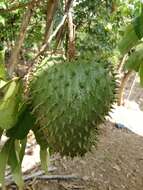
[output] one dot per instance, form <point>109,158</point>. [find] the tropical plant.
<point>56,68</point>
<point>131,48</point>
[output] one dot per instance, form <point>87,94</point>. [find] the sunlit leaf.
<point>2,65</point>
<point>15,166</point>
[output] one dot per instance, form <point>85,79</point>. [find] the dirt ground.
<point>116,164</point>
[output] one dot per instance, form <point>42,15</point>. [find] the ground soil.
<point>116,164</point>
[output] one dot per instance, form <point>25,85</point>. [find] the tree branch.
<point>68,5</point>
<point>16,6</point>
<point>40,176</point>
<point>46,45</point>
<point>122,86</point>
<point>51,9</point>
<point>71,37</point>
<point>18,44</point>
<point>60,35</point>
<point>121,64</point>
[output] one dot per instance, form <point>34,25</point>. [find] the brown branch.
<point>16,6</point>
<point>46,45</point>
<point>71,37</point>
<point>60,35</point>
<point>121,64</point>
<point>122,86</point>
<point>51,9</point>
<point>18,44</point>
<point>54,177</point>
<point>36,176</point>
<point>68,5</point>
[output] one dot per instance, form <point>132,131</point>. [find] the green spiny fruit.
<point>10,100</point>
<point>69,101</point>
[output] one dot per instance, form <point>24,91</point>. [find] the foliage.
<point>132,40</point>
<point>10,101</point>
<point>28,34</point>
<point>100,27</point>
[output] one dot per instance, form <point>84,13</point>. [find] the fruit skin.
<point>10,101</point>
<point>70,100</point>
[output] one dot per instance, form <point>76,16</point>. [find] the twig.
<point>54,177</point>
<point>45,46</point>
<point>121,64</point>
<point>40,176</point>
<point>18,44</point>
<point>60,35</point>
<point>51,9</point>
<point>68,5</point>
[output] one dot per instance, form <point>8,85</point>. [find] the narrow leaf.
<point>22,150</point>
<point>15,165</point>
<point>4,154</point>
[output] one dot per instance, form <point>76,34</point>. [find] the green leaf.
<point>23,125</point>
<point>4,154</point>
<point>2,5</point>
<point>2,83</point>
<point>44,157</point>
<point>15,165</point>
<point>2,20</point>
<point>141,74</point>
<point>22,150</point>
<point>135,59</point>
<point>138,26</point>
<point>3,74</point>
<point>129,40</point>
<point>10,102</point>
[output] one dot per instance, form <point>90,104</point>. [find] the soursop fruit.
<point>70,100</point>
